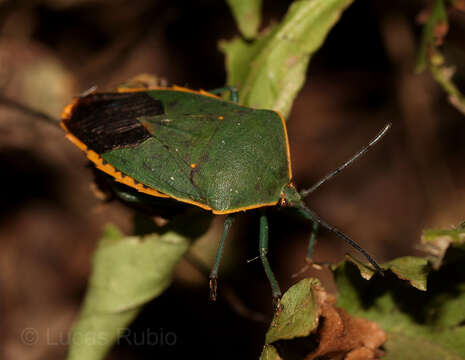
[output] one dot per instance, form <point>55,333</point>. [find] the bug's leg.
<point>214,273</point>
<point>263,249</point>
<point>234,97</point>
<point>229,294</point>
<point>304,211</point>
<point>309,258</point>
<point>312,243</point>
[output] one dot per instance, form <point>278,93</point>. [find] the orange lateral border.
<point>288,150</point>
<point>172,88</point>
<point>110,169</point>
<point>102,165</point>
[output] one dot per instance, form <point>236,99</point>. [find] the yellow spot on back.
<point>193,166</point>
<point>221,117</point>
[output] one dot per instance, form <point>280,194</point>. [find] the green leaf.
<point>419,324</point>
<point>444,246</point>
<point>310,326</point>
<point>412,269</point>
<point>400,346</point>
<point>270,353</point>
<point>127,272</point>
<point>271,70</point>
<point>415,270</point>
<point>300,313</point>
<point>366,271</point>
<point>248,15</point>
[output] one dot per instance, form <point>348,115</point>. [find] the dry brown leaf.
<point>344,336</point>
<point>362,353</point>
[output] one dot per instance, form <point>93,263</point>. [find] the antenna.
<point>378,137</point>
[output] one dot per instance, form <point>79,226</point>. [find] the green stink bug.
<point>193,147</point>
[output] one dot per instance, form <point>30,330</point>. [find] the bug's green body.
<point>190,146</point>
<point>194,147</point>
<point>210,152</point>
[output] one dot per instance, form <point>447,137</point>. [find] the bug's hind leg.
<point>234,94</point>
<point>214,272</point>
<point>263,250</point>
<point>311,215</point>
<point>311,246</point>
<point>312,243</point>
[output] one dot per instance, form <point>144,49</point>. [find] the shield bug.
<point>194,147</point>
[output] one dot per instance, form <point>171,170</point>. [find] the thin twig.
<point>28,111</point>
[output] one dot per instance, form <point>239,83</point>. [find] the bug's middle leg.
<point>214,272</point>
<point>263,250</point>
<point>312,243</point>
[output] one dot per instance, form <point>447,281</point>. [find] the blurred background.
<point>362,78</point>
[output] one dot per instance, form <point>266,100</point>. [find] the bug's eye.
<point>284,202</point>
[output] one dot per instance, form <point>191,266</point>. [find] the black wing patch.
<point>108,121</point>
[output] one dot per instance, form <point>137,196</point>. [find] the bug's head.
<point>290,197</point>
